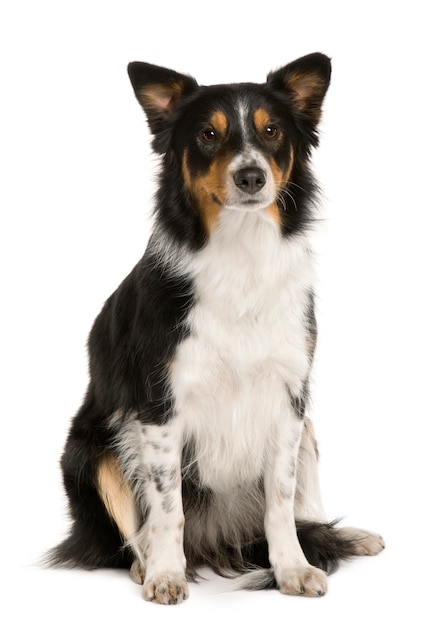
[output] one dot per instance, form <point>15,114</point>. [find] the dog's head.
<point>241,147</point>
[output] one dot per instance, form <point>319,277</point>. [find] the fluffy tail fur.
<point>324,546</point>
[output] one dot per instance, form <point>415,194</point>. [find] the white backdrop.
<point>76,179</point>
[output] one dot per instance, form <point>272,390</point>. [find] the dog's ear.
<point>305,81</point>
<point>159,91</point>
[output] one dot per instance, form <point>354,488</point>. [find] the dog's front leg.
<point>294,575</point>
<point>159,544</point>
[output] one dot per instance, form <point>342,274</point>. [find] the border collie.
<point>193,446</point>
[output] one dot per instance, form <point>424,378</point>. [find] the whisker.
<point>285,192</point>
<point>282,200</point>
<point>291,182</point>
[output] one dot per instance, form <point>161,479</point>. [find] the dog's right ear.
<point>305,81</point>
<point>159,91</point>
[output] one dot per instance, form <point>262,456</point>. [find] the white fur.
<point>247,346</point>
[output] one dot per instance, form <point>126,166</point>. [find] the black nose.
<point>250,179</point>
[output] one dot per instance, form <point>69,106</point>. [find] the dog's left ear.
<point>159,91</point>
<point>305,81</point>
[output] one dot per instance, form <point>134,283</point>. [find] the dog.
<point>193,446</point>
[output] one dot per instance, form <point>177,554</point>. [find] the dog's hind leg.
<point>324,544</point>
<point>101,515</point>
<point>117,496</point>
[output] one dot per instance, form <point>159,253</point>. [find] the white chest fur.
<point>246,351</point>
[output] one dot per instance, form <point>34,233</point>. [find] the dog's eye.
<point>271,132</point>
<point>208,135</point>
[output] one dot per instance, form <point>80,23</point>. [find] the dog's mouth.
<point>248,205</point>
<point>240,201</point>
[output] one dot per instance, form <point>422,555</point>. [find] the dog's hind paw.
<point>137,572</point>
<point>302,581</point>
<point>364,542</point>
<point>166,588</point>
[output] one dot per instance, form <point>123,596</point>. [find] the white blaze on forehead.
<point>243,111</point>
<point>249,155</point>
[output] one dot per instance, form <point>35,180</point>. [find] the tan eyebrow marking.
<point>261,119</point>
<point>219,121</point>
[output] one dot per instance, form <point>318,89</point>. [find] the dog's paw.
<point>364,542</point>
<point>166,588</point>
<point>137,572</point>
<point>304,580</point>
<point>370,544</point>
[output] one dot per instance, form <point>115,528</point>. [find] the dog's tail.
<point>89,550</point>
<point>323,544</point>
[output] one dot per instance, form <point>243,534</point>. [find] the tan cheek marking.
<point>208,190</point>
<point>186,171</point>
<point>274,213</point>
<point>281,179</point>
